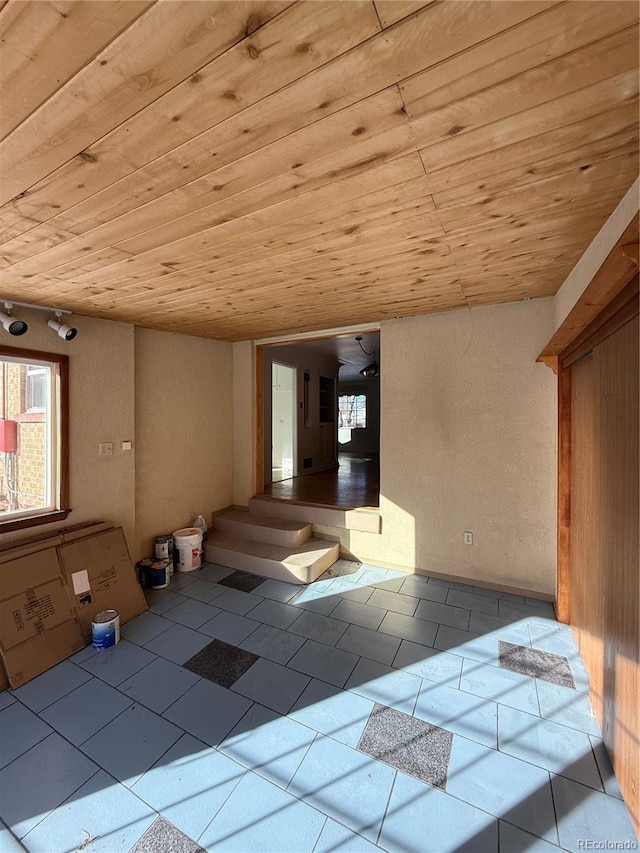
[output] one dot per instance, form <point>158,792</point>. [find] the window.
<point>33,438</point>
<point>352,411</point>
<point>37,386</point>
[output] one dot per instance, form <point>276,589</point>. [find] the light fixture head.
<point>67,333</point>
<point>372,369</point>
<point>12,324</point>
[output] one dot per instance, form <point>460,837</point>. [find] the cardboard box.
<point>50,540</point>
<point>100,575</point>
<point>37,624</point>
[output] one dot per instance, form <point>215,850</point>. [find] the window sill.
<point>34,520</point>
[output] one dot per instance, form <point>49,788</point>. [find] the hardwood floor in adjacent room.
<point>355,483</point>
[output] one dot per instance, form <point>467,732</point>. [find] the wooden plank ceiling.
<point>242,169</point>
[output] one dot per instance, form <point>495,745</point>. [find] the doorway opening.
<point>319,427</point>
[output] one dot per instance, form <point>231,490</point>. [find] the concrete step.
<point>301,564</point>
<point>277,531</point>
<point>365,519</point>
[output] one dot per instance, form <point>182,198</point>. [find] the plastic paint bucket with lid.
<point>187,545</point>
<point>105,629</point>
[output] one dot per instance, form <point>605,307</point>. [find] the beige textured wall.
<point>101,379</point>
<point>468,443</point>
<point>184,415</point>
<point>243,426</point>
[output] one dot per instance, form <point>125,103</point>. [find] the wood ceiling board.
<point>165,45</point>
<point>193,208</point>
<point>354,225</point>
<point>563,195</point>
<point>402,259</point>
<point>333,200</point>
<point>353,160</point>
<point>148,135</point>
<point>565,110</point>
<point>348,262</point>
<point>167,249</point>
<point>61,37</point>
<point>374,65</point>
<point>325,198</point>
<point>392,11</point>
<point>366,119</point>
<point>135,214</point>
<point>569,163</point>
<point>540,87</point>
<point>237,130</point>
<point>500,60</point>
<point>525,155</point>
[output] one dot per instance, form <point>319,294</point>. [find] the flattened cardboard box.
<point>37,624</point>
<point>51,540</point>
<point>100,576</point>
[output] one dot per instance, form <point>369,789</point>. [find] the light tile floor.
<point>368,711</point>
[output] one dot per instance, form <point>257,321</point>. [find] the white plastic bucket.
<point>187,549</point>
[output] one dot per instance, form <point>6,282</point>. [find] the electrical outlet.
<point>468,538</point>
<point>126,445</point>
<point>105,448</point>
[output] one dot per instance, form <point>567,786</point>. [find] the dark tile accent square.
<point>410,745</point>
<point>221,662</point>
<point>243,581</point>
<point>538,664</point>
<point>164,837</point>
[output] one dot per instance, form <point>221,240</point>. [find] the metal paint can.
<point>143,571</point>
<point>105,629</point>
<point>164,547</point>
<point>159,574</point>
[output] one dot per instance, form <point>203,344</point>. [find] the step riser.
<point>349,519</point>
<point>270,568</point>
<point>286,538</point>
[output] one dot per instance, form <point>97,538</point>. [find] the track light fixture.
<point>12,324</point>
<point>372,369</point>
<point>67,333</point>
<point>15,326</point>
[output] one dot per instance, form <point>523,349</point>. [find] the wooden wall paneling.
<point>563,593</point>
<point>63,37</point>
<point>604,582</point>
